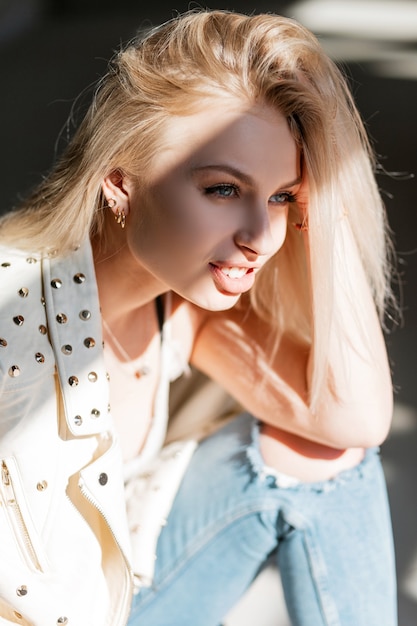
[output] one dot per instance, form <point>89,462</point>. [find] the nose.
<point>261,234</point>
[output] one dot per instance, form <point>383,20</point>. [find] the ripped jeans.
<point>331,540</point>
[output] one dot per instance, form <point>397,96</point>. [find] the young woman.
<point>216,206</point>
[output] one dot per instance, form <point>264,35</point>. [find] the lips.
<point>232,280</point>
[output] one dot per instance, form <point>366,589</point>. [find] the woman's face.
<point>215,206</point>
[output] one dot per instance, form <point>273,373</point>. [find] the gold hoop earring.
<point>110,203</point>
<point>120,217</point>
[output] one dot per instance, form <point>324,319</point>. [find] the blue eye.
<point>225,190</point>
<point>282,198</point>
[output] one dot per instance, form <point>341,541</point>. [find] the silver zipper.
<point>87,495</point>
<point>16,517</point>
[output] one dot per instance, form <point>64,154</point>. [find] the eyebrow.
<point>245,178</point>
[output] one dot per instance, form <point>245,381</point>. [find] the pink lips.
<point>229,285</point>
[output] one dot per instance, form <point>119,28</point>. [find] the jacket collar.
<point>74,324</point>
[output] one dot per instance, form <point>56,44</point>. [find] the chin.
<point>221,302</point>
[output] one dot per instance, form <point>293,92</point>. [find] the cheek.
<point>192,226</point>
<point>279,225</point>
<point>168,233</point>
<point>176,215</point>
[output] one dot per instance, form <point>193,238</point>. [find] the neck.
<point>124,285</point>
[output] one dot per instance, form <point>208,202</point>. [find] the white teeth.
<point>234,272</point>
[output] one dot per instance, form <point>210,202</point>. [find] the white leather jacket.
<point>64,540</point>
<point>65,546</point>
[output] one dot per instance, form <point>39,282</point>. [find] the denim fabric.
<point>331,540</point>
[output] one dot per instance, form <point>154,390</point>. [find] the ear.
<point>117,189</point>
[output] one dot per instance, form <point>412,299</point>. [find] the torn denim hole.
<point>263,471</point>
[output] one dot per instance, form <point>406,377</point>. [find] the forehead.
<point>227,132</point>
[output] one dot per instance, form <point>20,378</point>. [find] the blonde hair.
<point>260,58</point>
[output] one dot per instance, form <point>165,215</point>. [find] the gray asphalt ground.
<point>51,51</point>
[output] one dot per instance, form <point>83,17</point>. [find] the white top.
<point>172,366</point>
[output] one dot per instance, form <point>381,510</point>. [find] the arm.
<point>233,348</point>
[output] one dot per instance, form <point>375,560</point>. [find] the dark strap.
<point>160,312</point>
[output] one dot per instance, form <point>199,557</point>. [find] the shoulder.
<point>20,278</point>
<point>25,351</point>
<point>12,259</point>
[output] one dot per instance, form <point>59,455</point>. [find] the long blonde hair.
<point>260,58</point>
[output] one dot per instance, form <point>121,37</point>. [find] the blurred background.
<point>52,50</point>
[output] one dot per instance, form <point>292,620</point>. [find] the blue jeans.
<point>332,540</point>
